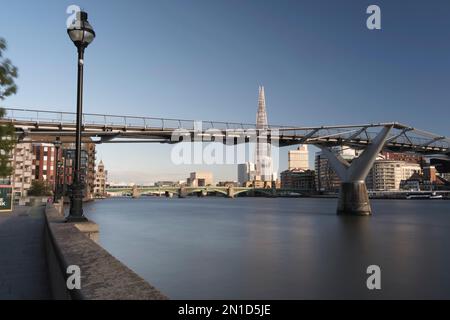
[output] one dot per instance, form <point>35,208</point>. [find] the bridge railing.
<point>62,117</point>
<point>400,134</point>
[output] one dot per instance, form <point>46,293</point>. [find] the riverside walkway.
<point>23,265</point>
<point>37,246</point>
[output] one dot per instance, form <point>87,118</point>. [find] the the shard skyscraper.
<point>263,158</point>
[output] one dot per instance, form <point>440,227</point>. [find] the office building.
<point>200,179</point>
<point>298,158</point>
<point>263,157</point>
<point>246,172</point>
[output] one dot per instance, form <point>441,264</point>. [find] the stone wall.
<point>103,277</point>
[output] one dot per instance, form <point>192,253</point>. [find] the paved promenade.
<point>23,268</point>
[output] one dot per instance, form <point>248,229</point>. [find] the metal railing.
<point>126,121</point>
<point>400,135</point>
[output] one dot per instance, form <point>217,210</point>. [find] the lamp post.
<point>82,34</point>
<point>57,145</point>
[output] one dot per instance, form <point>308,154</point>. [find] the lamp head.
<point>80,31</point>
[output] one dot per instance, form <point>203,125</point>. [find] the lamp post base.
<point>76,204</point>
<point>70,219</point>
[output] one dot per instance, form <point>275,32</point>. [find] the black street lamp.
<point>56,194</point>
<point>82,34</point>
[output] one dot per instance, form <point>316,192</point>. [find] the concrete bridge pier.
<point>182,193</point>
<point>353,195</point>
<point>135,192</point>
<point>354,199</point>
<point>168,194</point>
<point>230,192</point>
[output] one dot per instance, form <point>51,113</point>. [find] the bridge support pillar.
<point>135,192</point>
<point>181,193</point>
<point>354,199</point>
<point>230,192</point>
<point>167,194</point>
<point>353,196</point>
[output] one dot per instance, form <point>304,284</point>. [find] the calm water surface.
<point>278,248</point>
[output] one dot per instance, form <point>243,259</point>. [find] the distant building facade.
<point>246,172</point>
<point>427,180</point>
<point>101,178</point>
<point>166,184</point>
<point>87,167</point>
<point>299,158</point>
<point>326,179</point>
<point>22,162</point>
<point>298,179</point>
<point>200,179</point>
<point>44,162</point>
<point>406,157</point>
<point>90,174</point>
<point>430,174</point>
<point>39,161</point>
<point>387,175</point>
<point>228,184</point>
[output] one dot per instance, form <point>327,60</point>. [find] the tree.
<point>8,73</point>
<point>39,188</point>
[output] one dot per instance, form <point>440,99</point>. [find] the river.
<point>278,248</point>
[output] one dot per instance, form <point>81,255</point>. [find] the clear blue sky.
<point>205,59</point>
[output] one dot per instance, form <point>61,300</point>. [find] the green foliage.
<point>8,73</point>
<point>40,188</point>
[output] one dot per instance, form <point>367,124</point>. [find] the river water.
<point>278,248</point>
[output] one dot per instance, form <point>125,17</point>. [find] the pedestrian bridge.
<point>44,125</point>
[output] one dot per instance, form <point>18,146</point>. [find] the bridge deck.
<point>46,125</point>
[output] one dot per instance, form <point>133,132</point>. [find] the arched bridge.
<point>229,192</point>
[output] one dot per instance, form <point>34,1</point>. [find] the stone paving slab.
<point>23,266</point>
